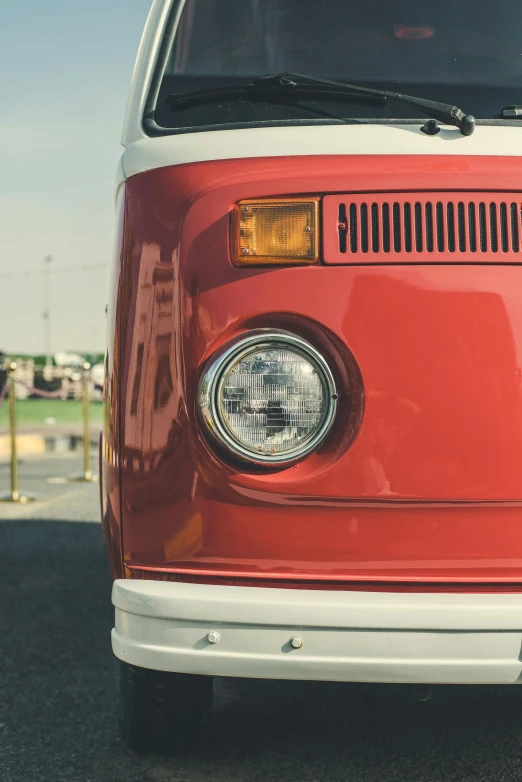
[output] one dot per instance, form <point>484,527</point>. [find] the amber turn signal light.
<point>277,231</point>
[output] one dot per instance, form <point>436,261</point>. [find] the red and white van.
<point>312,456</point>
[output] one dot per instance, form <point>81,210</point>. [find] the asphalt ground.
<point>58,684</point>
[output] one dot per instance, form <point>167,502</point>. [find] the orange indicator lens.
<point>271,231</point>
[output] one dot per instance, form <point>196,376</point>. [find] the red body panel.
<point>430,490</point>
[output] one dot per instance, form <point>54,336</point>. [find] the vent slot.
<point>515,217</point>
<point>386,228</point>
<point>482,228</point>
<point>451,227</point>
<point>397,228</point>
<point>472,222</point>
<point>407,228</point>
<point>493,227</point>
<point>441,242</point>
<point>429,227</point>
<point>461,223</point>
<point>504,239</point>
<point>418,228</point>
<point>342,227</point>
<point>375,228</point>
<point>364,228</point>
<point>353,228</point>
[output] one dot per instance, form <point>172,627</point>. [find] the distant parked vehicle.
<point>98,376</point>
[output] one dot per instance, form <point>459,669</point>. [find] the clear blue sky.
<point>65,69</point>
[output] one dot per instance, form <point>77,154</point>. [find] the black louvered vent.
<point>433,226</point>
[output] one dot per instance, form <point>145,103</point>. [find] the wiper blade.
<point>283,85</point>
<point>273,88</point>
<point>278,89</point>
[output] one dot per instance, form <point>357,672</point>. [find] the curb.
<point>31,444</point>
<point>26,444</point>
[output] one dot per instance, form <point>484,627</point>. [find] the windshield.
<point>465,52</point>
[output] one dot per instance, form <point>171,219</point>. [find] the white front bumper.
<point>347,636</point>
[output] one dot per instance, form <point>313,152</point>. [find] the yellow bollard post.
<point>87,475</point>
<point>14,495</point>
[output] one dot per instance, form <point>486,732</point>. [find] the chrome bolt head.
<point>214,637</point>
<point>296,642</point>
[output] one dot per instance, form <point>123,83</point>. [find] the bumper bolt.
<point>213,637</point>
<point>296,642</point>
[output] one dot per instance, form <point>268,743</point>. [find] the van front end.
<point>311,458</point>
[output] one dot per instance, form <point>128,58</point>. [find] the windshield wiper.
<point>275,89</point>
<point>281,86</point>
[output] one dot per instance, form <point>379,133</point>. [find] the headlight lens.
<point>270,399</point>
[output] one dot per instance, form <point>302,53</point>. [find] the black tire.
<point>162,712</point>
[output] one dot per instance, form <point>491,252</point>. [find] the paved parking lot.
<point>58,690</point>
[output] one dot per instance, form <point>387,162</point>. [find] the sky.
<point>65,70</point>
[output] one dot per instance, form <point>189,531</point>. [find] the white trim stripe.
<point>152,153</point>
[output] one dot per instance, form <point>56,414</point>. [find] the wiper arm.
<point>285,84</point>
<point>444,112</point>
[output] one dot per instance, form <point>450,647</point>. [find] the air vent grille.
<point>442,228</point>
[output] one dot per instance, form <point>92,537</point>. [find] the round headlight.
<point>270,398</point>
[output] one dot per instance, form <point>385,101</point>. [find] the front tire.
<point>162,712</point>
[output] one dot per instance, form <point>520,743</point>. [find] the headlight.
<point>270,398</point>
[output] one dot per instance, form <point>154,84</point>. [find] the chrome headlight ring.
<point>211,392</point>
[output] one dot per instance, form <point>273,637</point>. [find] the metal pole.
<point>47,311</point>
<point>14,495</point>
<point>15,488</point>
<point>87,475</point>
<point>86,428</point>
